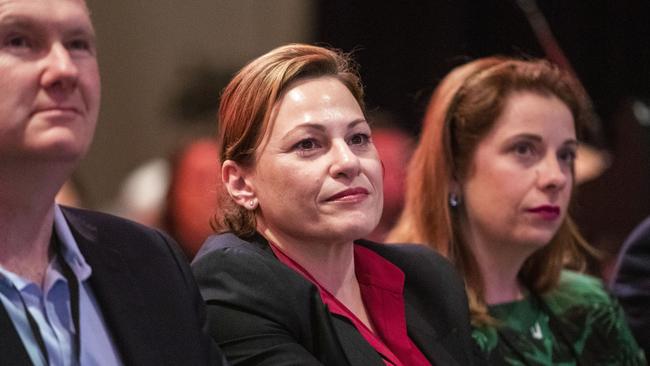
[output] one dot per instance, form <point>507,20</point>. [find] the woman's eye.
<point>524,149</point>
<point>567,156</point>
<point>360,139</point>
<point>306,145</point>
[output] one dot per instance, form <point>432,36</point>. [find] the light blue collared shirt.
<point>50,308</point>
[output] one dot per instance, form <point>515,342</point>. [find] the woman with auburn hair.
<point>489,187</point>
<point>286,279</point>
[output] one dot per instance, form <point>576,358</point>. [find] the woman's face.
<point>519,183</point>
<point>318,176</point>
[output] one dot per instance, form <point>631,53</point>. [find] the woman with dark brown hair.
<point>489,187</point>
<point>286,280</point>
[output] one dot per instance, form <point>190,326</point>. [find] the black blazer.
<point>263,313</point>
<point>145,290</point>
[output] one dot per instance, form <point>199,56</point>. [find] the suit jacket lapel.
<point>357,350</point>
<point>12,350</point>
<point>425,337</point>
<point>117,294</point>
<point>346,346</point>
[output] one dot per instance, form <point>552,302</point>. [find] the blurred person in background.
<point>177,193</point>
<point>141,196</point>
<point>394,146</point>
<point>192,195</point>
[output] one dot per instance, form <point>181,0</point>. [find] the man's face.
<point>49,80</point>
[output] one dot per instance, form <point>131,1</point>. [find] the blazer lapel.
<point>12,350</point>
<point>426,338</point>
<point>337,341</point>
<point>357,350</point>
<point>117,294</point>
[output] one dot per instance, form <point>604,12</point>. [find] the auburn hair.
<point>461,112</point>
<point>246,111</point>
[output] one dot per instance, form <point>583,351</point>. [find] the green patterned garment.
<point>585,324</point>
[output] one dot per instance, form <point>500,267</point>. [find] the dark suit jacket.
<point>631,282</point>
<point>263,313</point>
<point>145,290</point>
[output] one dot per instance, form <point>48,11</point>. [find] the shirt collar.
<point>69,248</point>
<point>374,270</point>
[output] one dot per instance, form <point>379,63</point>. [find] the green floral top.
<point>585,323</point>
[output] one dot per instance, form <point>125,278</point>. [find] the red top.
<point>382,287</point>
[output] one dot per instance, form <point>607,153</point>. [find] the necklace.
<point>536,331</point>
<point>557,329</point>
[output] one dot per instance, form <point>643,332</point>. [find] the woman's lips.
<point>546,212</point>
<point>349,195</point>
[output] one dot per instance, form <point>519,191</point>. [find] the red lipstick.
<point>546,212</point>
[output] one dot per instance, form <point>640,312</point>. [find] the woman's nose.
<point>344,161</point>
<point>552,174</point>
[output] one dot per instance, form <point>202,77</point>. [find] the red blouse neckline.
<point>382,287</point>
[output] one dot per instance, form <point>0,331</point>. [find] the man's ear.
<point>236,180</point>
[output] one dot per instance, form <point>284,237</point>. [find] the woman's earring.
<point>454,200</point>
<point>252,204</point>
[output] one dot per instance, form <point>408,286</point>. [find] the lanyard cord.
<point>73,286</point>
<point>35,331</point>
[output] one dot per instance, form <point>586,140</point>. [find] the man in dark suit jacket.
<point>76,287</point>
<point>630,282</point>
<point>262,312</point>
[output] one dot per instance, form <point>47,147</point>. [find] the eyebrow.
<point>537,138</point>
<point>81,31</point>
<point>18,21</point>
<point>321,127</point>
<point>33,24</point>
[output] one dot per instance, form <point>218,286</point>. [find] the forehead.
<point>46,13</point>
<point>320,100</point>
<point>535,113</point>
